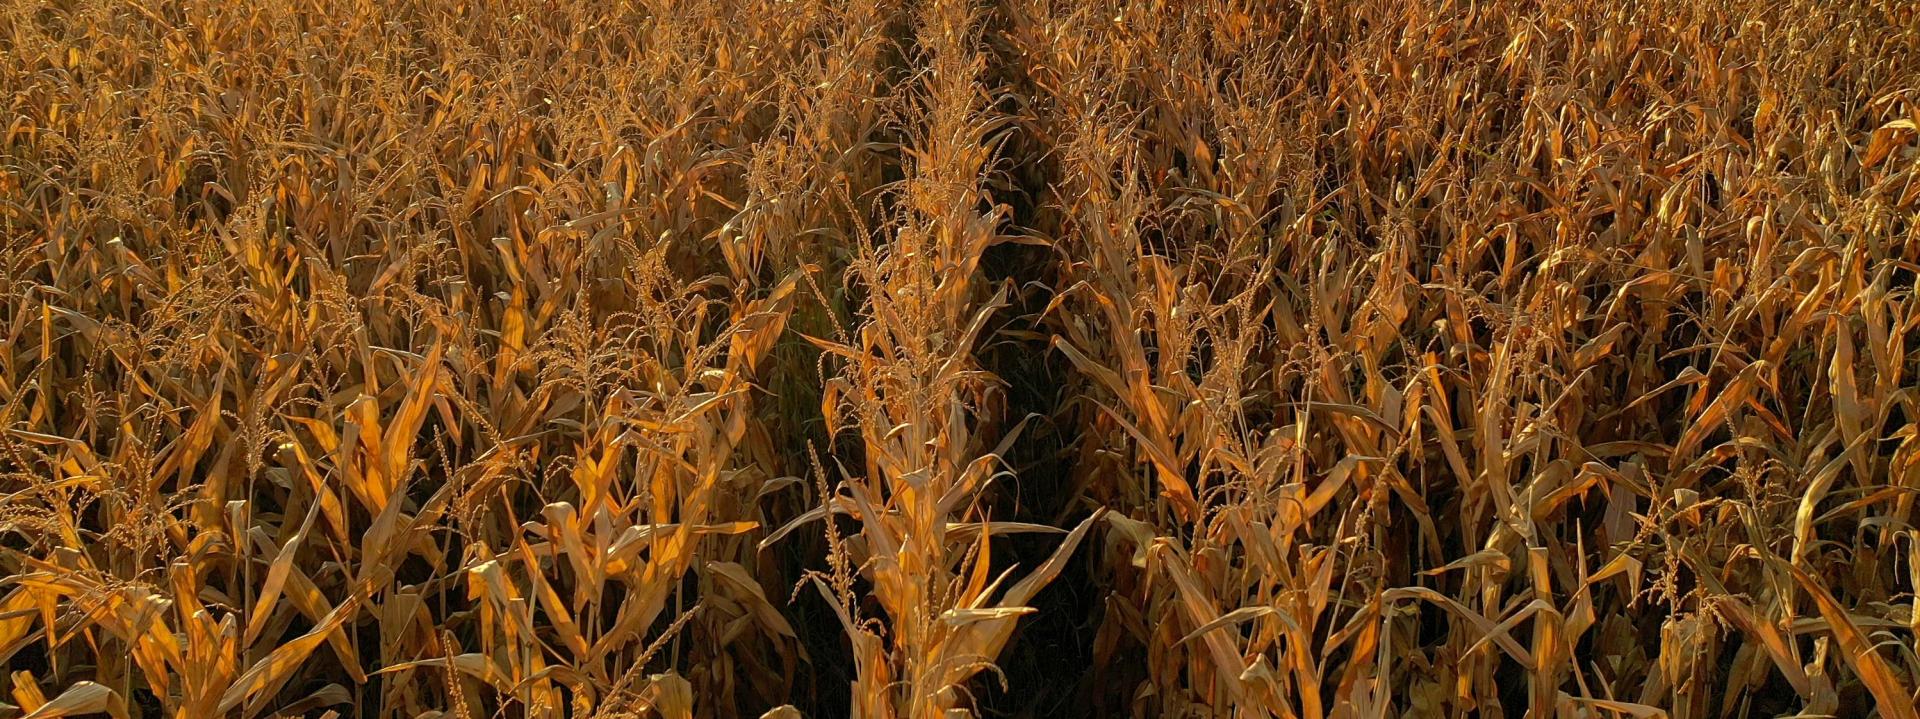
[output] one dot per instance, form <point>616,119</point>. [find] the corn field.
<point>920,359</point>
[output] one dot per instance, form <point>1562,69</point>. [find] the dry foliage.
<point>677,358</point>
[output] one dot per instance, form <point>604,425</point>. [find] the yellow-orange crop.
<point>1303,359</point>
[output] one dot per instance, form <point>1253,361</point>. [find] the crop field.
<point>922,359</point>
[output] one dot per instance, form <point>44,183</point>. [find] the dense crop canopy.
<point>914,359</point>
